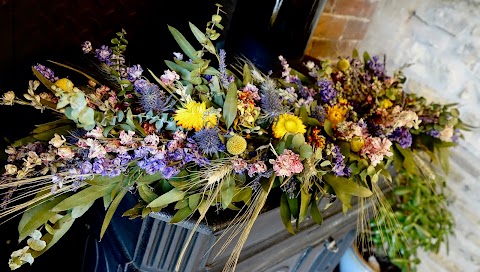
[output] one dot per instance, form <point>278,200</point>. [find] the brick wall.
<point>342,25</point>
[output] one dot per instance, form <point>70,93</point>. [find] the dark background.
<point>33,32</point>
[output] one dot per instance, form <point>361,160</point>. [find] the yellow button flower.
<point>236,145</point>
<point>288,123</point>
<point>64,84</point>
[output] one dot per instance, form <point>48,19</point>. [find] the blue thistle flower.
<point>319,113</point>
<point>152,98</point>
<point>208,141</point>
<point>271,101</point>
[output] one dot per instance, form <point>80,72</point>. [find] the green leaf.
<point>111,211</point>
<point>304,114</point>
<point>227,190</point>
<point>230,105</point>
<point>146,193</point>
<point>315,213</point>
<point>184,73</point>
<point>346,186</point>
<point>298,140</point>
<point>247,75</point>
<point>286,214</point>
<point>75,70</point>
<point>199,35</point>
<point>37,215</point>
<point>327,126</point>
<point>294,206</point>
<point>408,162</point>
<point>61,227</point>
<point>306,151</point>
<point>99,180</point>
<point>443,157</point>
<point>47,83</point>
<point>81,210</point>
<point>366,57</point>
<point>83,197</point>
<point>148,179</point>
<point>181,214</point>
<point>194,200</point>
<point>186,47</point>
<point>244,195</point>
<point>305,198</point>
<point>167,198</point>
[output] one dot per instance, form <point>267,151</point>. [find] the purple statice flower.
<point>86,167</point>
<point>327,92</point>
<point>290,187</point>
<point>87,47</point>
<point>339,167</point>
<point>434,133</point>
<point>222,66</point>
<point>403,136</point>
<point>153,164</point>
<point>134,72</point>
<point>141,152</point>
<point>97,166</point>
<point>170,172</point>
<point>140,84</point>
<point>46,72</point>
<point>152,98</point>
<point>208,141</point>
<point>456,135</point>
<point>376,68</point>
<point>104,54</point>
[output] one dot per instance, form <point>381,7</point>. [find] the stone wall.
<point>441,41</point>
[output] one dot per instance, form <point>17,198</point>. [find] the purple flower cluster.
<point>327,92</point>
<point>319,113</point>
<point>46,72</point>
<point>104,54</point>
<point>339,167</point>
<point>403,136</point>
<point>134,72</point>
<point>223,68</point>
<point>376,68</point>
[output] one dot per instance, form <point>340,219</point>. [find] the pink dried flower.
<point>257,167</point>
<point>287,164</point>
<point>239,165</point>
<point>375,148</point>
<point>126,138</point>
<point>169,77</point>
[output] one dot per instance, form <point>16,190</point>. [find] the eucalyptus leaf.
<point>230,105</point>
<point>37,215</point>
<point>285,214</point>
<point>186,47</point>
<point>146,193</point>
<point>83,197</point>
<point>305,198</point>
<point>167,198</point>
<point>111,211</point>
<point>81,210</point>
<point>315,213</point>
<point>346,186</point>
<point>181,214</point>
<point>227,190</point>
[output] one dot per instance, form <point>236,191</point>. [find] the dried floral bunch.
<point>208,134</point>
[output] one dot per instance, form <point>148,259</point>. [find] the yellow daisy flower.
<point>336,114</point>
<point>193,116</point>
<point>288,123</point>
